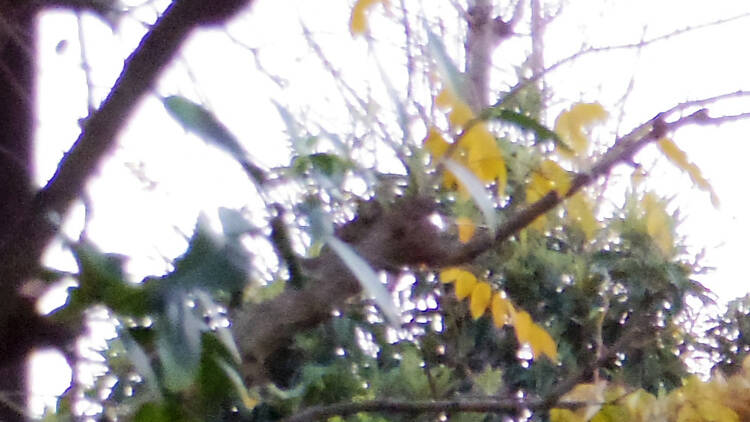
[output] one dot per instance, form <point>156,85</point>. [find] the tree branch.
<point>396,406</point>
<point>622,151</point>
<point>23,248</point>
<point>399,238</point>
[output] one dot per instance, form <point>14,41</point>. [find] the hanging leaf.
<point>501,309</point>
<point>524,122</point>
<point>679,159</point>
<point>465,284</point>
<point>179,344</point>
<point>436,144</point>
<point>368,279</point>
<point>448,70</point>
<point>571,124</point>
<point>450,275</point>
<point>535,336</point>
<point>477,191</point>
<point>196,119</point>
<point>239,386</point>
<point>480,299</point>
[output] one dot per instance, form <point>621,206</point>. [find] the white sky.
<point>191,177</point>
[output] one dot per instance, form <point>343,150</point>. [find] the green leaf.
<point>448,70</point>
<point>478,192</point>
<point>102,281</point>
<point>140,361</point>
<point>160,412</point>
<point>179,343</point>
<point>211,262</point>
<point>292,128</point>
<point>489,381</point>
<point>525,122</point>
<point>368,279</point>
<point>196,119</point>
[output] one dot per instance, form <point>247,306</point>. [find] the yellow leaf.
<point>639,404</point>
<point>501,310</point>
<point>480,299</point>
<point>679,159</point>
<point>570,125</point>
<point>484,157</point>
<point>538,339</point>
<point>436,144</point>
<point>445,99</point>
<point>712,410</point>
<point>522,324</point>
<point>460,115</point>
<point>658,223</point>
<point>674,153</point>
<point>580,211</point>
<point>564,415</point>
<point>465,285</point>
<point>687,413</point>
<point>586,393</point>
<point>557,175</point>
<point>358,23</point>
<point>449,275</point>
<point>538,187</point>
<point>542,343</point>
<point>466,229</point>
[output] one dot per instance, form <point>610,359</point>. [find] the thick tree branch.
<point>413,406</point>
<point>22,249</point>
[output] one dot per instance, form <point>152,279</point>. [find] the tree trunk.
<point>17,82</point>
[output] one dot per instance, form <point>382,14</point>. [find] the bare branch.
<point>638,45</point>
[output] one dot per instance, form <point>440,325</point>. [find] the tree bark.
<point>17,81</point>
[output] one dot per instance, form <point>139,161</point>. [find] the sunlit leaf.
<point>484,156</point>
<point>465,284</point>
<point>368,279</point>
<point>592,393</point>
<point>480,299</point>
<point>501,309</point>
<point>358,23</point>
<point>658,222</point>
<point>571,125</point>
<point>580,211</point>
<point>557,175</point>
<point>679,159</point>
<point>450,275</point>
<point>477,191</point>
<point>535,336</point>
<point>436,144</point>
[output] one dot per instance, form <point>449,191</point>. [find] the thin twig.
<point>85,64</point>
<point>526,82</point>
